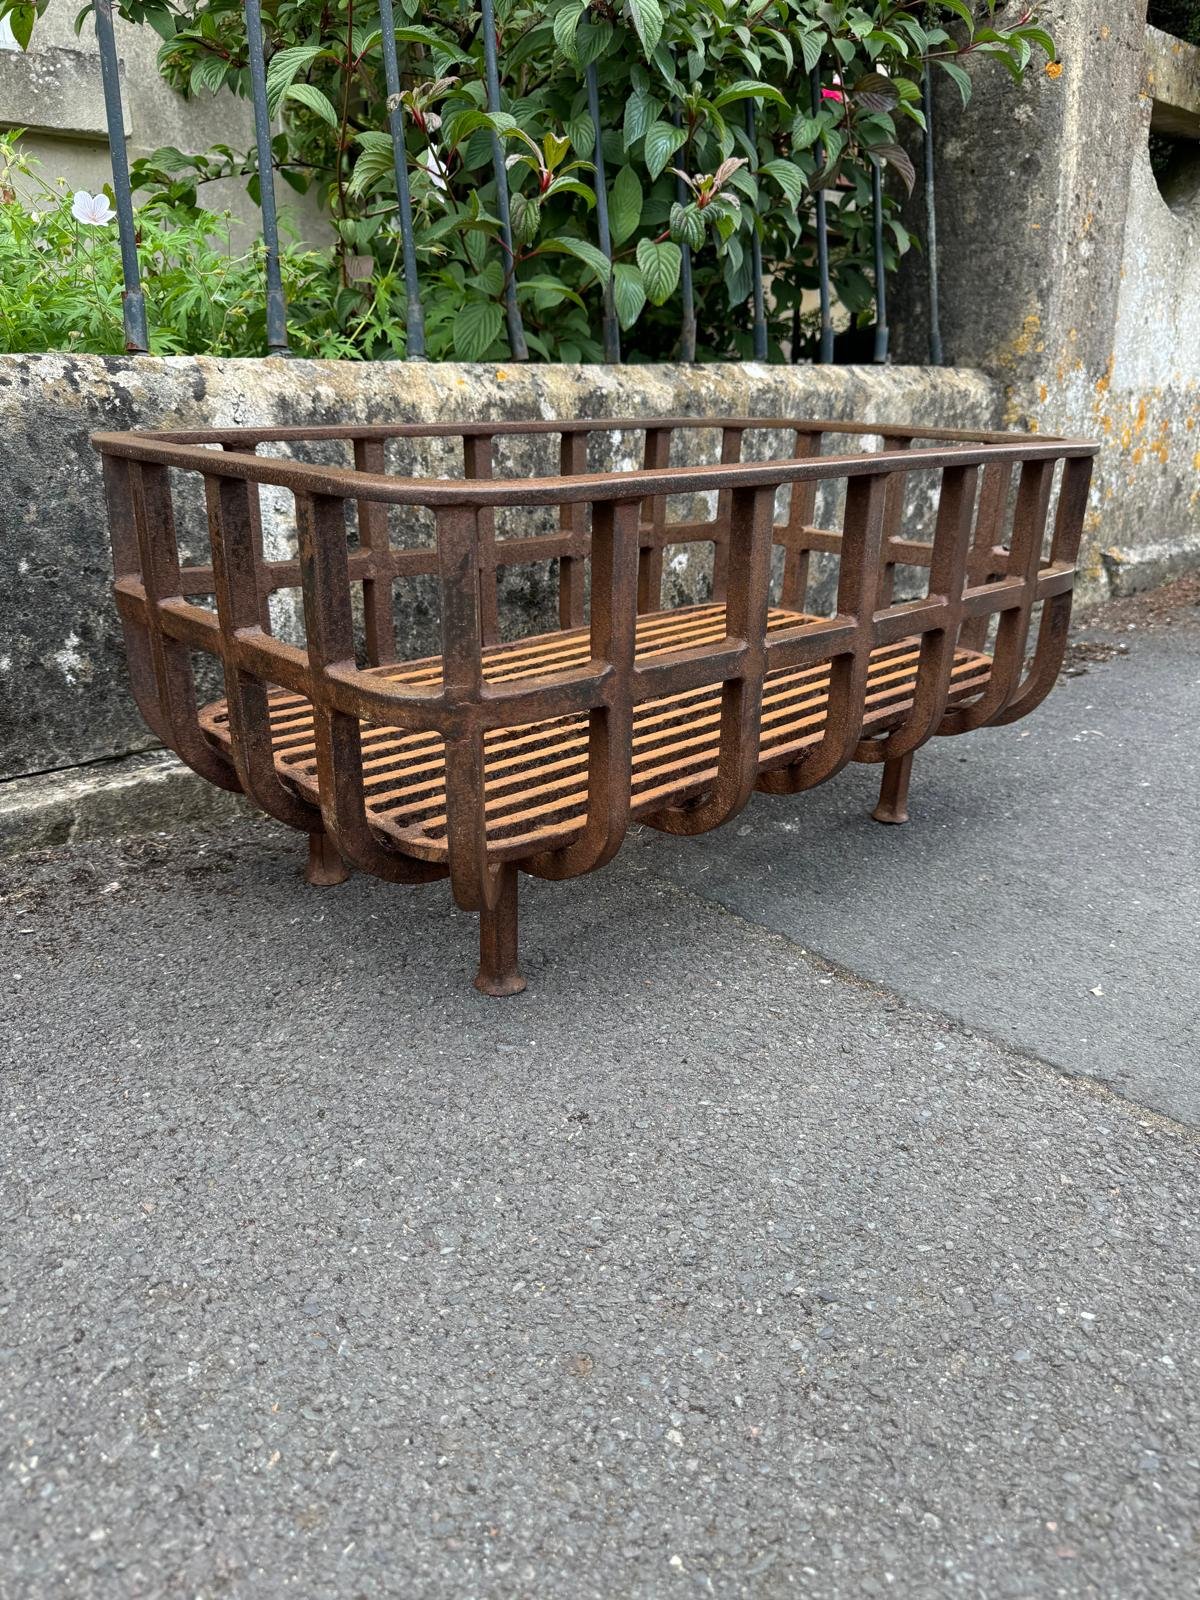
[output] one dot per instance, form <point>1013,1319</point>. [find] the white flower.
<point>95,210</point>
<point>430,160</point>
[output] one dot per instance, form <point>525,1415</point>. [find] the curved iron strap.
<point>751,525</point>
<point>1056,609</point>
<point>1024,562</point>
<point>329,627</point>
<point>232,528</point>
<point>171,666</point>
<point>862,542</point>
<point>947,578</point>
<point>610,726</point>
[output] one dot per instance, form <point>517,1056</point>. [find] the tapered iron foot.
<point>325,865</point>
<point>498,974</point>
<point>893,791</point>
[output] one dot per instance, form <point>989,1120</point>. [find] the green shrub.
<point>678,81</point>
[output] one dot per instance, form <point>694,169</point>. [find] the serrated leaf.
<point>648,21</point>
<point>662,141</point>
<point>789,178</point>
<point>660,263</point>
<point>629,294</point>
<point>624,205</point>
<point>476,328</point>
<point>810,49</point>
<point>285,67</point>
<point>583,250</point>
<point>435,42</point>
<point>308,95</point>
<point>566,21</point>
<point>899,160</point>
<point>687,224</point>
<point>640,111</point>
<point>875,92</point>
<point>749,89</point>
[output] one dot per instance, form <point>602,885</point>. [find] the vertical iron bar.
<point>414,316</point>
<point>881,321</point>
<point>512,311</point>
<point>760,320</point>
<point>611,327</point>
<point>133,302</point>
<point>277,340</point>
<point>687,327</point>
<point>936,355</point>
<point>826,355</point>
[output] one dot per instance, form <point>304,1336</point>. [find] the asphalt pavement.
<point>809,1227</point>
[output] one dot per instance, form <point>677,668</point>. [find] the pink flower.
<point>93,210</point>
<point>833,94</point>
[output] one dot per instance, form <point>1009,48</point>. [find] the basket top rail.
<point>208,452</point>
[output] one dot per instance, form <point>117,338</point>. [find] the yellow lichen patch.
<point>1196,461</point>
<point>1105,383</point>
<point>1043,393</point>
<point>1054,69</point>
<point>1138,456</point>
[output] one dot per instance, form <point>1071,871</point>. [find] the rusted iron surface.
<point>537,753</point>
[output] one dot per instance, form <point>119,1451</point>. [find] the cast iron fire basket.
<point>536,753</point>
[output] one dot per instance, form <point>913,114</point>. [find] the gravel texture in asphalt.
<point>702,1268</point>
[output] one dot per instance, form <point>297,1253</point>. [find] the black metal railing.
<point>134,305</point>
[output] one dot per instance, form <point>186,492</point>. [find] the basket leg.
<point>325,865</point>
<point>498,974</point>
<point>893,791</point>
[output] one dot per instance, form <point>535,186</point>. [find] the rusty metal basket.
<point>537,753</point>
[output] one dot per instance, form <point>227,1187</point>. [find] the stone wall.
<point>1070,278</point>
<point>53,91</point>
<point>63,695</point>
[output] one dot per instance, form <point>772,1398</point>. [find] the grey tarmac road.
<point>709,1266</point>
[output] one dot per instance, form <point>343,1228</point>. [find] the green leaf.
<point>789,178</point>
<point>476,328</point>
<point>629,294</point>
<point>525,214</point>
<point>21,20</point>
<point>687,224</point>
<point>748,89</point>
<point>810,49</point>
<point>309,95</point>
<point>648,20</point>
<point>660,264</point>
<point>959,76</point>
<point>583,251</point>
<point>426,36</point>
<point>566,22</point>
<point>662,141</point>
<point>624,205</point>
<point>286,66</point>
<point>640,112</point>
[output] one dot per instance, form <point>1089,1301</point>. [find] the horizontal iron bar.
<point>346,484</point>
<point>249,437</point>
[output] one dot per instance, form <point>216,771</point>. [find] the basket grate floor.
<point>536,774</point>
